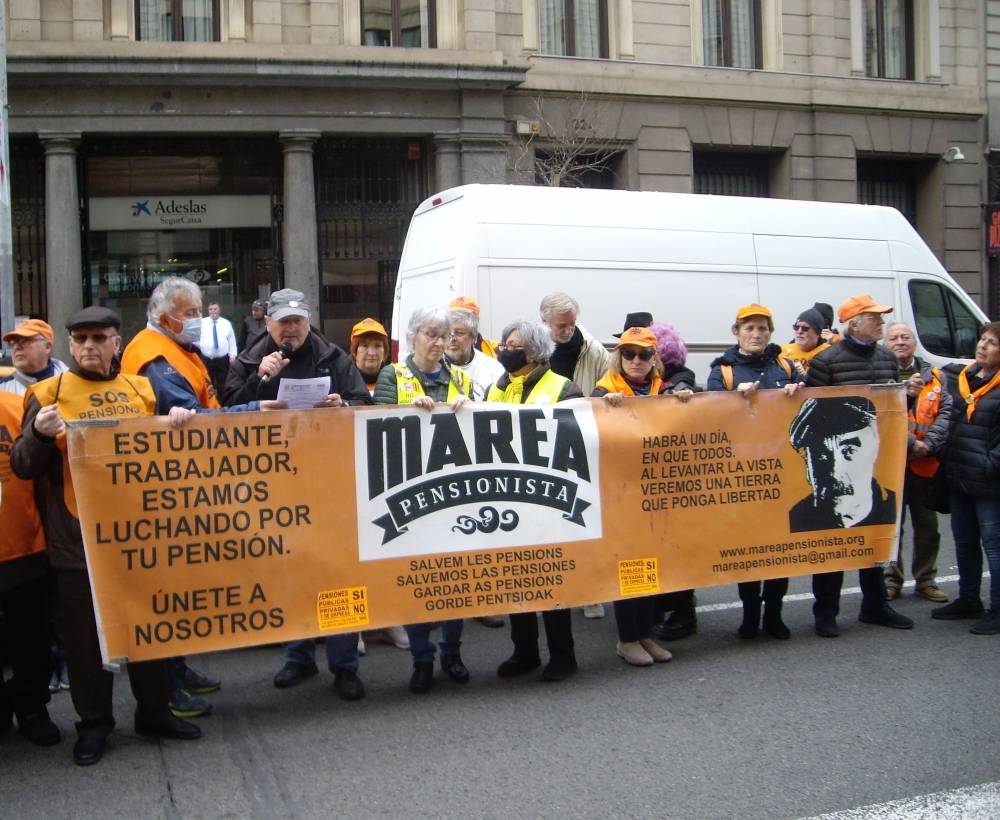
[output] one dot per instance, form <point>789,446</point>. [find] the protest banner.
<point>242,529</point>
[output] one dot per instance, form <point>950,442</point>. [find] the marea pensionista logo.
<point>504,475</point>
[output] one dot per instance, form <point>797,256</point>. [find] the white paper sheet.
<point>301,393</point>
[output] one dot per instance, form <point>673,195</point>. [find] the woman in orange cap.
<point>752,364</point>
<point>635,369</point>
<point>370,350</point>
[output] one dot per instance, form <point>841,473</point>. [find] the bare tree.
<point>567,147</point>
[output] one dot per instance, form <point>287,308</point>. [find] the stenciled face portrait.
<point>839,443</point>
<point>840,469</point>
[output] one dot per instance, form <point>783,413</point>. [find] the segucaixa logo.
<point>500,476</point>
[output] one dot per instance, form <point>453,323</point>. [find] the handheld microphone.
<point>284,351</point>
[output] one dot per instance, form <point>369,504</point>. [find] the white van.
<point>688,259</point>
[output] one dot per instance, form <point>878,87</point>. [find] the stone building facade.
<point>253,144</point>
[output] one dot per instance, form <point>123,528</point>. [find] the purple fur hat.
<point>669,344</point>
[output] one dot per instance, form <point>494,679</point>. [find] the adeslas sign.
<point>145,213</point>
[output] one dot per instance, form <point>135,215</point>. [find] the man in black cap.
<point>291,349</point>
<point>94,388</point>
<point>253,326</point>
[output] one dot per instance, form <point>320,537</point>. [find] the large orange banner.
<point>242,529</point>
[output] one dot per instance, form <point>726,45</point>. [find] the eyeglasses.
<point>643,355</point>
<point>20,341</point>
<point>801,328</point>
<point>502,348</point>
<point>460,334</point>
<point>434,337</point>
<point>96,338</point>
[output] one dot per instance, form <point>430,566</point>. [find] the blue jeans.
<point>421,646</point>
<point>341,652</point>
<point>975,520</point>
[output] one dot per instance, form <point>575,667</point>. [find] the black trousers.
<point>26,612</point>
<point>218,370</point>
<point>90,684</point>
<point>558,633</point>
<point>774,590</point>
<point>826,590</point>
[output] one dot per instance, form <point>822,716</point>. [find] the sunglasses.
<point>644,355</point>
<point>801,328</point>
<point>97,338</point>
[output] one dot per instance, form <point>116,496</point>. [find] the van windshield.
<point>945,326</point>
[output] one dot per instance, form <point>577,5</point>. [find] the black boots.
<point>772,602</point>
<point>751,618</point>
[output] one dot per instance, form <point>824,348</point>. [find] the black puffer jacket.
<point>852,362</point>
<point>972,458</point>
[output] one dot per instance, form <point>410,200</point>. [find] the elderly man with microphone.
<point>291,349</point>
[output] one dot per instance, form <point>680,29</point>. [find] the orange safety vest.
<point>919,420</point>
<point>20,524</point>
<point>148,345</point>
<point>615,383</point>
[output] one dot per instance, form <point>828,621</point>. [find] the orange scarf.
<point>971,398</point>
<point>616,383</point>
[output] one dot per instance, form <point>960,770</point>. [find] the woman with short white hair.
<point>424,379</point>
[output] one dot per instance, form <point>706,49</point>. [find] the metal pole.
<point>6,255</point>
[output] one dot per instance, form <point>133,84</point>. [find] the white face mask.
<point>190,330</point>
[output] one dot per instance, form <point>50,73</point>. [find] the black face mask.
<point>512,360</point>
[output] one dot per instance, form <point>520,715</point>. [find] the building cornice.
<point>223,64</point>
<point>729,86</point>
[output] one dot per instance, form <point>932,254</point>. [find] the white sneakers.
<point>593,611</point>
<point>396,636</point>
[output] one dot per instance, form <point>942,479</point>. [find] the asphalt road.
<point>728,729</point>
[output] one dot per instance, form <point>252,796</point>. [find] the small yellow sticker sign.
<point>337,608</point>
<point>639,576</point>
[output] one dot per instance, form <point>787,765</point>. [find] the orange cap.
<point>857,305</point>
<point>464,303</point>
<point>753,309</point>
<point>367,325</point>
<point>29,330</point>
<point>637,337</point>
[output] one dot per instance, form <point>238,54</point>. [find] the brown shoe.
<point>655,651</point>
<point>633,654</point>
<point>892,593</point>
<point>932,593</point>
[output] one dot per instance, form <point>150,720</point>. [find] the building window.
<point>732,33</point>
<point>574,28</point>
<point>731,174</point>
<point>405,23</point>
<point>889,39</point>
<point>891,183</point>
<point>177,20</point>
<point>562,168</point>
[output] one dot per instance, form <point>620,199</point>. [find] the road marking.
<point>807,596</point>
<point>971,803</point>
